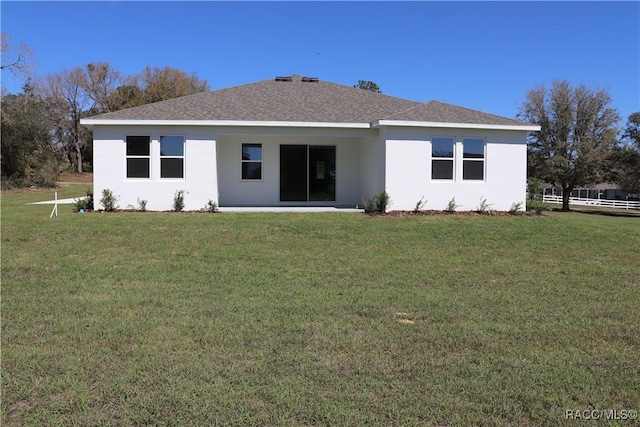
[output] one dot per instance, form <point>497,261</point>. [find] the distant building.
<point>605,190</point>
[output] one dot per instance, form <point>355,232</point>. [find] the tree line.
<point>40,126</point>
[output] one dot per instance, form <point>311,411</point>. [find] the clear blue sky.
<point>480,55</point>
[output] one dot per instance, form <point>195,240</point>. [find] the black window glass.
<point>171,168</point>
<point>138,145</point>
<point>251,170</point>
<point>442,169</point>
<point>137,168</point>
<point>473,169</point>
<point>293,173</point>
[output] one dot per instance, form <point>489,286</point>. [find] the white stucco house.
<point>298,141</point>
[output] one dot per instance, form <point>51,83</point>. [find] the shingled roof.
<point>301,100</point>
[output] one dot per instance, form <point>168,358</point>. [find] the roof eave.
<point>218,123</point>
<point>406,123</point>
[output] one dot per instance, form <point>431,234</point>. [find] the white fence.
<point>582,201</point>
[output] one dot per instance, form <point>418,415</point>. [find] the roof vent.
<point>310,79</point>
<point>283,79</point>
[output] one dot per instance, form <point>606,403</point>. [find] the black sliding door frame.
<point>307,173</point>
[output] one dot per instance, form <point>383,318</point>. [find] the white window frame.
<point>243,161</point>
<point>475,159</point>
<point>127,157</point>
<point>183,157</point>
<point>452,159</point>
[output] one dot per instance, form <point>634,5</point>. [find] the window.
<point>252,161</point>
<point>442,158</point>
<point>473,159</point>
<point>172,156</point>
<point>138,156</point>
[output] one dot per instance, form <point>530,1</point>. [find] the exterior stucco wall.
<point>367,161</point>
<point>371,167</point>
<point>109,168</point>
<point>408,170</point>
<point>266,192</point>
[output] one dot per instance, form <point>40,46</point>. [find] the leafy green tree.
<point>632,130</point>
<point>28,155</point>
<point>625,160</point>
<point>577,136</point>
<point>368,85</point>
<point>161,84</point>
<point>126,96</point>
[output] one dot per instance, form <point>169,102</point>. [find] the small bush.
<point>79,204</point>
<point>85,202</point>
<point>142,205</point>
<point>420,205</point>
<point>178,201</point>
<point>537,206</point>
<point>377,203</point>
<point>382,201</point>
<point>369,205</point>
<point>109,200</point>
<point>515,208</point>
<point>451,206</point>
<point>484,206</point>
<point>89,199</point>
<point>47,176</point>
<point>211,206</point>
<point>13,181</point>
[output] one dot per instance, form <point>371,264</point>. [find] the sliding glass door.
<point>307,173</point>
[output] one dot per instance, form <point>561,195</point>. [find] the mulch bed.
<point>456,213</point>
<point>390,213</point>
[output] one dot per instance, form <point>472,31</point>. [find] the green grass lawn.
<point>292,319</point>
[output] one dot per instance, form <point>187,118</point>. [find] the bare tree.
<point>100,83</point>
<point>16,58</point>
<point>68,101</point>
<point>578,133</point>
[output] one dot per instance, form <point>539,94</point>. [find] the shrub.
<point>484,206</point>
<point>142,205</point>
<point>537,206</point>
<point>47,176</point>
<point>85,202</point>
<point>178,201</point>
<point>420,205</point>
<point>211,206</point>
<point>89,199</point>
<point>382,201</point>
<point>79,204</point>
<point>369,205</point>
<point>108,200</point>
<point>451,206</point>
<point>515,208</point>
<point>13,181</point>
<point>378,203</point>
